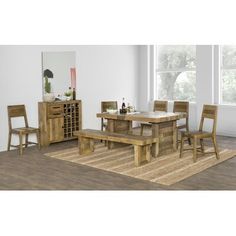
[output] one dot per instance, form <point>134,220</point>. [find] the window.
<point>228,75</point>
<point>176,72</point>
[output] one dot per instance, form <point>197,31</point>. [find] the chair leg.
<point>177,139</point>
<point>187,129</point>
<point>21,144</point>
<point>181,146</point>
<point>215,147</point>
<point>38,139</point>
<point>26,140</point>
<point>189,141</point>
<point>9,142</point>
<point>194,149</point>
<point>202,145</point>
<point>101,127</point>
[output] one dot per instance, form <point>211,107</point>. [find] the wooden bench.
<point>142,144</point>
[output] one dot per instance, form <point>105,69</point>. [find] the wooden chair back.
<point>17,111</point>
<point>209,112</point>
<point>160,105</point>
<point>108,105</point>
<point>181,106</point>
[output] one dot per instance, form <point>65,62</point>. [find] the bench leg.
<point>86,145</point>
<point>142,154</point>
<point>156,134</point>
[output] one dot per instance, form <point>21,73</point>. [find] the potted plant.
<point>48,95</point>
<point>68,94</point>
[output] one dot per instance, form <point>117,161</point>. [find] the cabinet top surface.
<point>61,102</point>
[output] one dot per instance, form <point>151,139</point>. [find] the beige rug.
<point>166,170</point>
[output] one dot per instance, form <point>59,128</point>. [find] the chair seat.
<point>24,130</point>
<point>197,133</point>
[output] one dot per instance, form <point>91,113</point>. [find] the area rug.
<point>165,170</point>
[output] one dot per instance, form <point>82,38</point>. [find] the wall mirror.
<point>59,75</point>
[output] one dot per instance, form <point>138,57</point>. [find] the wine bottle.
<point>74,94</point>
<point>70,93</point>
<point>123,104</point>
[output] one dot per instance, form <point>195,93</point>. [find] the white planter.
<point>48,97</point>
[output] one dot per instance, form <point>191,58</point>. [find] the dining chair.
<point>17,111</point>
<point>104,106</point>
<point>208,112</point>
<point>182,107</point>
<point>159,105</point>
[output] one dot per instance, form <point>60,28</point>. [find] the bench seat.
<point>142,144</point>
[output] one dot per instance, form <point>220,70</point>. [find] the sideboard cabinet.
<point>58,120</point>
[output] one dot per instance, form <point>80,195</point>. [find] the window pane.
<point>228,56</point>
<point>229,87</point>
<point>177,85</point>
<point>176,57</point>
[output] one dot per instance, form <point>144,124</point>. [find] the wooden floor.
<point>35,171</point>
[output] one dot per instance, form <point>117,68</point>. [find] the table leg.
<point>155,134</point>
<point>130,126</point>
<point>110,128</point>
<point>119,126</point>
<point>166,133</point>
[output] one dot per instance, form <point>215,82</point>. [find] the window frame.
<point>159,71</point>
<point>220,82</point>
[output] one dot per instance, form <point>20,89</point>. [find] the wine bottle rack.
<point>71,119</point>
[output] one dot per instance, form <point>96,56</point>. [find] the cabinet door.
<point>56,129</point>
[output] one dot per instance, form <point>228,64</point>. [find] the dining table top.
<point>151,117</point>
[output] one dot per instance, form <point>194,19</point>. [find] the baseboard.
<point>226,133</point>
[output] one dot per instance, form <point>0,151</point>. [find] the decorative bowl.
<point>111,111</point>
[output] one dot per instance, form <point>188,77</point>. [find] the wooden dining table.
<point>163,127</point>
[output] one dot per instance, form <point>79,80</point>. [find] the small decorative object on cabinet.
<point>58,120</point>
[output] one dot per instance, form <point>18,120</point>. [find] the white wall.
<point>103,73</point>
<point>204,80</point>
<point>144,77</point>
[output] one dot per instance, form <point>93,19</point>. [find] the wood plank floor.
<point>34,171</point>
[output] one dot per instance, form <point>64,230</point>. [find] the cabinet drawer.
<point>55,110</point>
